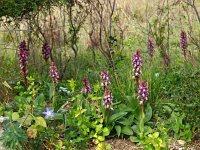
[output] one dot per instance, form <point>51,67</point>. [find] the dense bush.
<point>19,8</point>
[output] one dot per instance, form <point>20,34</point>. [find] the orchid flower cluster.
<point>143,92</point>
<point>105,79</point>
<point>86,87</point>
<point>183,42</point>
<point>108,97</point>
<point>166,59</point>
<point>23,60</point>
<point>54,72</point>
<point>137,64</point>
<point>150,48</point>
<point>46,51</point>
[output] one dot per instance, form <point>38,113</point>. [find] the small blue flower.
<point>49,113</point>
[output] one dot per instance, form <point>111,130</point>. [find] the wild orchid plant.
<point>23,60</point>
<point>55,78</point>
<point>183,43</point>
<point>150,48</point>
<point>86,87</point>
<point>47,53</point>
<point>107,93</point>
<point>107,98</point>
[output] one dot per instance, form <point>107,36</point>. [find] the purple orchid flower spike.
<point>54,72</point>
<point>86,87</point>
<point>108,98</point>
<point>183,43</point>
<point>105,80</point>
<point>150,48</point>
<point>143,92</point>
<point>23,60</point>
<point>49,113</point>
<point>137,65</point>
<point>46,51</point>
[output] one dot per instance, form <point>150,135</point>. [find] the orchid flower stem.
<point>53,96</point>
<point>106,115</point>
<point>137,82</point>
<point>142,121</point>
<point>142,112</point>
<point>26,82</point>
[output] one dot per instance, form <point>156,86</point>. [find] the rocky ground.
<point>122,144</point>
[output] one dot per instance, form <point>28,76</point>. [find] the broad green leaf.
<point>58,116</point>
<point>118,130</point>
<point>26,120</point>
<point>148,113</point>
<point>134,139</point>
<point>155,135</point>
<point>116,116</point>
<point>98,128</point>
<point>101,138</point>
<point>40,121</point>
<point>32,132</point>
<point>108,147</point>
<point>15,116</point>
<point>127,130</point>
<point>126,121</point>
<point>39,100</point>
<point>59,144</point>
<point>72,84</point>
<point>106,131</point>
<point>124,108</point>
<point>147,130</point>
<point>133,104</point>
<point>135,129</point>
<point>39,104</point>
<point>101,146</point>
<point>51,89</point>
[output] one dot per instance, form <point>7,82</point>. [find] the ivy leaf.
<point>26,120</point>
<point>40,121</point>
<point>32,132</point>
<point>106,131</point>
<point>101,138</point>
<point>98,128</point>
<point>15,116</point>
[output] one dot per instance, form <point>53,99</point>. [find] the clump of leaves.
<point>14,137</point>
